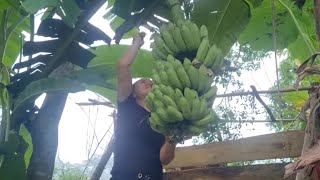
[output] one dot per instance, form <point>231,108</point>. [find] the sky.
<point>81,128</point>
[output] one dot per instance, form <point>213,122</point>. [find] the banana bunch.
<point>182,96</point>
<point>181,99</point>
<point>180,113</point>
<point>185,37</point>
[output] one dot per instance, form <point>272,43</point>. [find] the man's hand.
<point>138,40</point>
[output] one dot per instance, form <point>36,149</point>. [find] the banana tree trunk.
<point>44,132</point>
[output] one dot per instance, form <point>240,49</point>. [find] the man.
<point>139,152</point>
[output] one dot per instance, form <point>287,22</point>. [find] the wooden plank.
<point>253,172</point>
<point>270,146</point>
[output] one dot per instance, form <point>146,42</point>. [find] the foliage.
<point>288,105</point>
<point>75,171</point>
<point>295,28</point>
<point>225,20</point>
<point>66,171</point>
<point>67,10</point>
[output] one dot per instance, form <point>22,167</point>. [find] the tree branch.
<point>254,91</point>
<point>264,92</point>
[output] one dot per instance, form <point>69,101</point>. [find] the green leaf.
<point>259,31</point>
<point>13,167</point>
<point>225,20</point>
<point>47,85</point>
<point>12,50</point>
<point>307,23</point>
<point>33,6</point>
<point>255,3</point>
<point>110,3</point>
<point>117,21</point>
<point>108,56</point>
<point>297,99</point>
<point>27,138</point>
<point>14,42</point>
<point>4,5</point>
<point>69,12</point>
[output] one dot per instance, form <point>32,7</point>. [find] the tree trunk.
<point>44,132</point>
<point>103,161</point>
<point>312,135</point>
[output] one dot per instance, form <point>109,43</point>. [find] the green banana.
<point>206,120</point>
<point>164,78</point>
<point>212,92</point>
<point>156,77</point>
<point>168,101</point>
<point>193,74</point>
<point>187,37</point>
<point>182,74</point>
<point>176,12</point>
<point>210,59</point>
<point>173,114</point>
<point>157,93</point>
<point>150,100</point>
<point>185,108</point>
<point>195,111</point>
<point>204,32</point>
<point>183,77</point>
<point>177,37</point>
<point>155,56</point>
<point>168,39</point>
<point>218,60</point>
<point>163,115</point>
<point>173,80</point>
<point>169,91</point>
<point>203,50</point>
<point>170,58</point>
<point>155,119</point>
<point>158,104</point>
<point>190,95</point>
<point>203,78</point>
<point>177,94</point>
<point>161,44</point>
<point>162,88</point>
<point>196,35</point>
<point>203,107</point>
<point>186,63</point>
<point>189,25</point>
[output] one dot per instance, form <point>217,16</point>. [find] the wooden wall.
<point>254,172</point>
<point>270,146</point>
